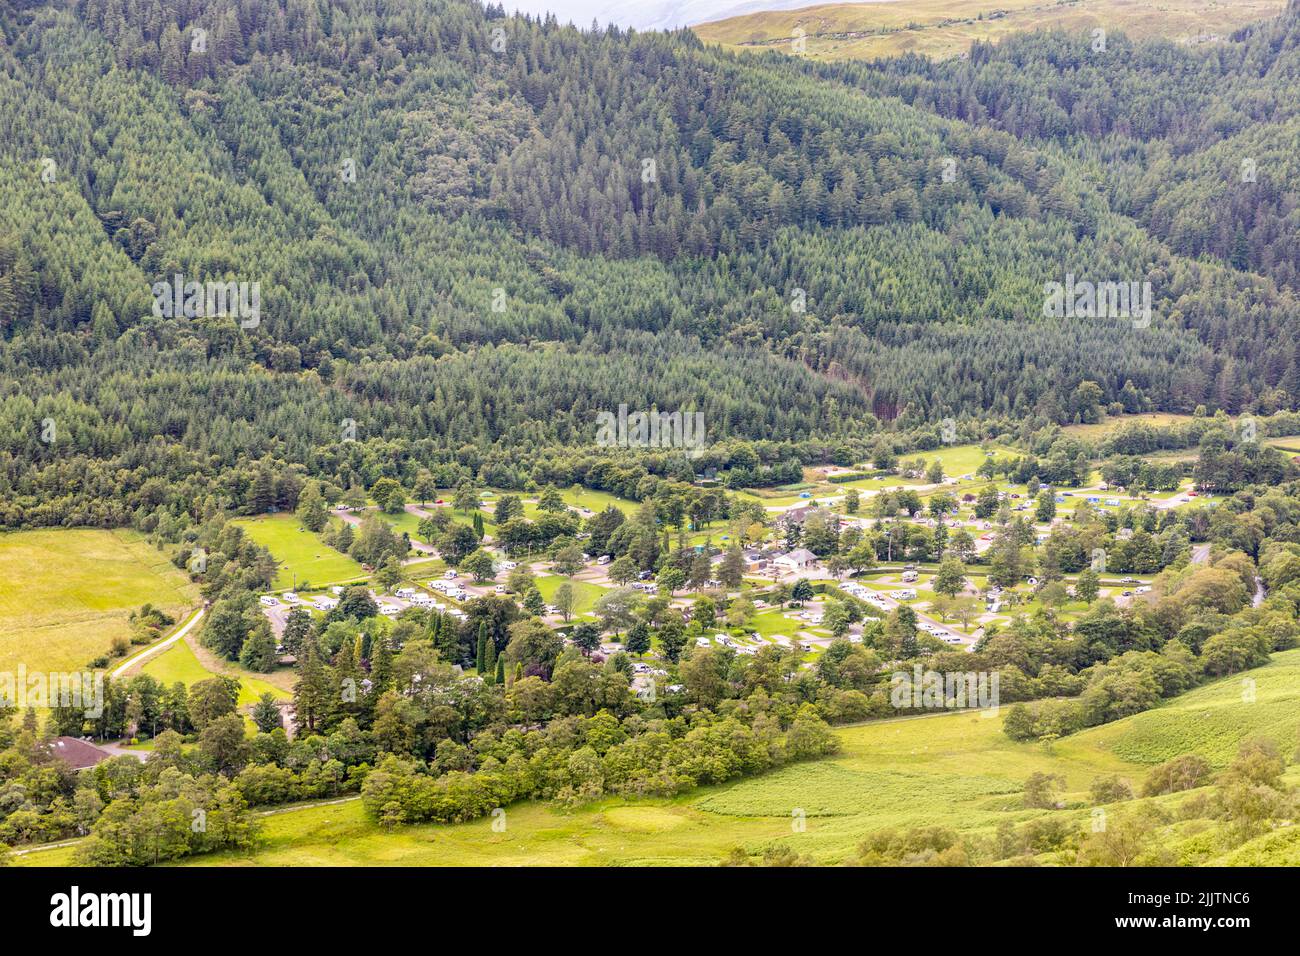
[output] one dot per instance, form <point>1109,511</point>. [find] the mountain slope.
<point>947,28</point>
<point>472,233</point>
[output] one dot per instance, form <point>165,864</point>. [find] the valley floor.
<point>955,770</point>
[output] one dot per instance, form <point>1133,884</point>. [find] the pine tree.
<point>312,699</point>
<point>346,679</point>
<point>311,507</point>
<point>381,667</point>
<point>489,656</point>
<point>481,659</point>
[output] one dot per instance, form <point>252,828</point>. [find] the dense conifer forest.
<point>473,232</point>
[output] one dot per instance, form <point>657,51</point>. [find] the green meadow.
<point>179,663</point>
<point>585,593</point>
<point>955,769</point>
<point>301,555</point>
<point>65,594</point>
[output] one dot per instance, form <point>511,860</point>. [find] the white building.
<point>800,559</point>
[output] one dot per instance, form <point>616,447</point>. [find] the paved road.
<point>151,651</point>
<point>118,750</point>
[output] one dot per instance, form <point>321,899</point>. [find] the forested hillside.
<point>1196,145</point>
<point>472,233</point>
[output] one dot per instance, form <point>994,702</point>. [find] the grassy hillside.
<point>954,770</point>
<point>944,28</point>
<point>68,593</point>
<point>1213,720</point>
<point>300,554</point>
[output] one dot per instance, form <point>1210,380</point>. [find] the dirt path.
<point>135,659</point>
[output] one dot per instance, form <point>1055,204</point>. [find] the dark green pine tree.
<point>481,660</point>
<point>262,497</point>
<point>381,667</point>
<point>489,657</point>
<point>311,697</point>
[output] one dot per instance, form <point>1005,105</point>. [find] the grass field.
<point>1287,443</point>
<point>581,498</point>
<point>957,770</point>
<point>66,593</point>
<point>404,521</point>
<point>957,460</point>
<point>179,663</point>
<point>1109,424</point>
<point>301,555</point>
<point>584,592</point>
<point>946,28</point>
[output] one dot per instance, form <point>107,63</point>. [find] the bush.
<point>1110,789</point>
<point>1182,773</point>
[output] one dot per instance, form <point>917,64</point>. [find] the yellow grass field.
<point>947,28</point>
<point>66,593</point>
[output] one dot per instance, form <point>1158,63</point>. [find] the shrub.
<point>1182,773</point>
